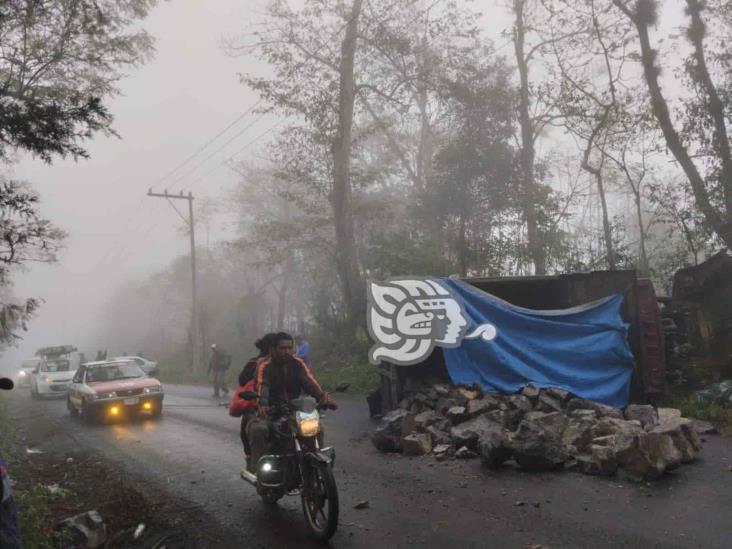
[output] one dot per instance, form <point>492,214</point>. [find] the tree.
<point>704,150</point>
<point>25,236</point>
<point>59,61</point>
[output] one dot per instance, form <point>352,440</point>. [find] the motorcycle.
<point>298,465</point>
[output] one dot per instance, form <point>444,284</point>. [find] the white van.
<point>27,367</point>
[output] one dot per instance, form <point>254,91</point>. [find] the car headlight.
<point>308,424</point>
<point>22,373</point>
<point>148,390</point>
<point>47,379</point>
<point>111,394</point>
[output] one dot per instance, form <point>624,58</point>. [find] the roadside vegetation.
<point>720,416</point>
<point>32,500</point>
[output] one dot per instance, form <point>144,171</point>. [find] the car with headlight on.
<point>27,367</point>
<point>51,378</point>
<point>113,389</point>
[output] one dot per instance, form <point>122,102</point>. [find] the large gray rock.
<point>537,443</point>
<point>602,458</point>
<point>438,436</point>
<point>456,414</point>
<point>666,415</point>
<point>578,435</point>
<point>520,402</point>
<point>495,447</point>
<point>612,426</point>
<point>409,424</point>
<point>468,433</point>
<point>683,436</point>
<point>646,455</point>
<point>425,419</point>
<point>702,427</point>
<point>482,405</point>
<point>603,410</point>
<point>531,392</point>
<point>387,436</point>
<point>548,403</point>
<point>417,444</point>
<point>443,404</point>
<point>442,389</point>
<point>559,394</point>
<point>644,413</point>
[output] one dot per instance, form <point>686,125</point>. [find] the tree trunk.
<point>606,228</point>
<point>642,233</point>
<point>528,152</point>
<point>341,196</point>
<point>715,221</point>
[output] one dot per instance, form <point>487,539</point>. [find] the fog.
<point>168,109</point>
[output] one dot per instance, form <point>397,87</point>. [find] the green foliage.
<point>60,61</point>
<point>719,415</point>
<point>362,376</point>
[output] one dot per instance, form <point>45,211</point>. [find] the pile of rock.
<point>540,430</point>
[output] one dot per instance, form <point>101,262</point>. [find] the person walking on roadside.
<point>217,366</point>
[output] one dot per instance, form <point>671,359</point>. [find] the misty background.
<point>121,282</point>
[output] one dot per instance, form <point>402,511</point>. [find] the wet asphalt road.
<point>194,453</point>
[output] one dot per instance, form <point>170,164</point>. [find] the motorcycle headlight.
<point>308,424</point>
<point>148,390</point>
<point>22,373</point>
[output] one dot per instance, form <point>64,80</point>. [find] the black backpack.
<point>225,361</point>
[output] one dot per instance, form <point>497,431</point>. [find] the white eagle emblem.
<point>408,318</point>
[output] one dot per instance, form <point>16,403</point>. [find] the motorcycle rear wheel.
<point>320,502</point>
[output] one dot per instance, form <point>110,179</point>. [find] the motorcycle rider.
<point>280,378</point>
<point>264,346</point>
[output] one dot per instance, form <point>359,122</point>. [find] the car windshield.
<point>56,366</point>
<point>110,372</point>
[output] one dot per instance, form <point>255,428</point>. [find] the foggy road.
<point>194,453</point>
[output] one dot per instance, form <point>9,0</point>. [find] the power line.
<point>210,141</point>
<point>222,147</point>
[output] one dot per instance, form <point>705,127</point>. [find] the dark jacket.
<point>279,383</point>
<point>249,371</point>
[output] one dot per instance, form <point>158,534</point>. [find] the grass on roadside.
<point>717,414</point>
<point>362,377</point>
<point>32,501</point>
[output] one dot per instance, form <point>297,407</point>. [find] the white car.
<point>27,367</point>
<point>52,378</point>
<point>150,367</point>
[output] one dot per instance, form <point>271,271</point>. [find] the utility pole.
<point>195,351</point>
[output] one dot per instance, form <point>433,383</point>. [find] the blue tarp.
<point>583,350</point>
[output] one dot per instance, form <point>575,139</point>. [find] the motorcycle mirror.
<point>248,395</point>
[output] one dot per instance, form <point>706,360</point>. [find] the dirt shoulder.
<point>55,480</point>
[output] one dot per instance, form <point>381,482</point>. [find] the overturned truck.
<point>639,310</point>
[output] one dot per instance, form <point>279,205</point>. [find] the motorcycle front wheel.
<point>320,502</point>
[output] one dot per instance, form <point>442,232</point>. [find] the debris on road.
<point>717,393</point>
<point>361,505</point>
<point>540,430</point>
<point>83,530</point>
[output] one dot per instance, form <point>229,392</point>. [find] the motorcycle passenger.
<point>280,378</point>
<point>264,346</point>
